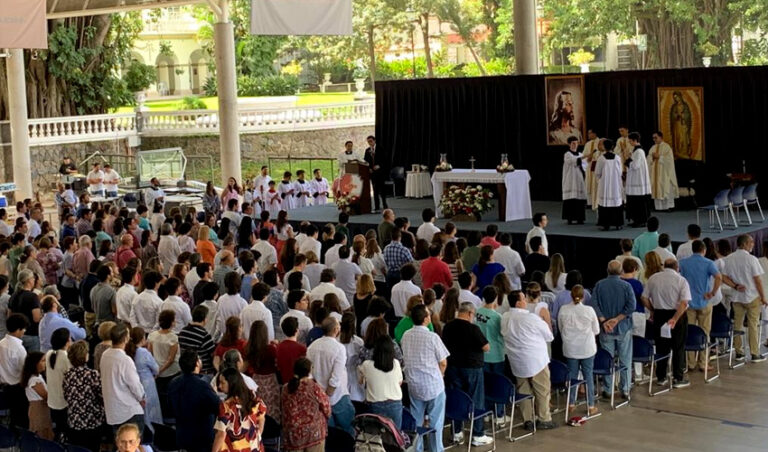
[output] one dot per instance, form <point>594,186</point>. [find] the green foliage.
<point>272,85</point>
<point>496,66</point>
<point>209,88</point>
<point>708,49</point>
<point>401,69</point>
<point>192,103</point>
<point>165,49</point>
<point>580,57</point>
<point>754,52</point>
<point>139,76</point>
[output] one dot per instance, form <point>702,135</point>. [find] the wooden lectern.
<point>362,171</point>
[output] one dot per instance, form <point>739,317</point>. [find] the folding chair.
<point>8,439</point>
<point>459,408</point>
<point>644,352</point>
<point>499,390</point>
<point>743,333</point>
<point>165,438</point>
<point>736,197</point>
<point>410,426</point>
<point>722,329</point>
<point>696,340</point>
<point>720,204</point>
<point>28,442</point>
<point>604,366</point>
<point>339,440</point>
<point>750,197</point>
<point>560,380</point>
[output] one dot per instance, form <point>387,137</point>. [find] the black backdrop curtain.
<point>484,117</point>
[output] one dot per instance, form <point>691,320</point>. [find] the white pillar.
<point>226,82</point>
<point>526,41</point>
<point>611,52</point>
<point>17,106</point>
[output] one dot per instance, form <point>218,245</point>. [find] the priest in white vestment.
<point>574,189</point>
<point>303,192</point>
<point>261,185</point>
<point>638,187</point>
<point>319,188</point>
<point>661,169</point>
<point>347,155</point>
<point>591,153</point>
<point>610,189</point>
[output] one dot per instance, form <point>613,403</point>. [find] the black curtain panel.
<point>417,120</point>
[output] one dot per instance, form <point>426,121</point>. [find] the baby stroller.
<point>376,433</point>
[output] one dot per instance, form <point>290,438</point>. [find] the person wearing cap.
<point>111,180</point>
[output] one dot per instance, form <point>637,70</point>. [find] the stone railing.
<point>75,129</point>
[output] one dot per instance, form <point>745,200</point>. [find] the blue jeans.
<point>586,365</point>
<point>496,368</point>
<point>621,346</point>
<point>31,343</point>
<point>471,381</point>
<point>435,409</point>
<point>342,415</point>
<point>111,194</point>
<point>392,409</point>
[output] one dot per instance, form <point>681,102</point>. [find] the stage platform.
<point>585,247</point>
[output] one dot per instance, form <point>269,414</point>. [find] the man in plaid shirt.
<point>395,256</point>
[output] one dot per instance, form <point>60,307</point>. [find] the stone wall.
<point>254,148</point>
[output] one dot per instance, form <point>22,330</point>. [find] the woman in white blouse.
<point>578,327</point>
<point>555,277</point>
<point>383,377</point>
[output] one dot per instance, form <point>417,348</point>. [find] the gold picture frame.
<point>566,112</point>
<point>681,120</point>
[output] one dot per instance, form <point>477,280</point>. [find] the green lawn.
<point>213,102</point>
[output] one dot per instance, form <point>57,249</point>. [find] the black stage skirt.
<point>638,209</point>
<point>610,216</point>
<point>574,210</point>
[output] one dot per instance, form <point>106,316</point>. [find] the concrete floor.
<point>728,414</point>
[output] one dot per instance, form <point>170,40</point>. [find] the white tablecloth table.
<point>514,195</point>
<point>417,184</point>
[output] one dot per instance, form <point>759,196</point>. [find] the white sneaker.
<point>502,421</point>
<point>481,440</point>
<point>458,438</point>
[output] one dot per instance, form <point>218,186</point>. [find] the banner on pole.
<point>23,24</point>
<point>301,17</point>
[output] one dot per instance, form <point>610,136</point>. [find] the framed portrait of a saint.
<point>565,109</point>
<point>681,120</point>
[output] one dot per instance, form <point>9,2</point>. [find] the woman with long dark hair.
<point>376,329</point>
<point>245,237</point>
<point>147,368</point>
<point>241,416</point>
<point>211,201</point>
<point>231,191</point>
<point>354,345</point>
<point>383,377</point>
<point>231,339</point>
<point>306,410</point>
<point>260,359</point>
<point>57,364</point>
<point>287,256</point>
<point>452,257</point>
<point>486,269</point>
<point>282,230</point>
<point>37,395</point>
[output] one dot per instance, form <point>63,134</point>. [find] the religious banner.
<point>301,17</point>
<point>681,120</point>
<point>23,25</point>
<point>565,109</point>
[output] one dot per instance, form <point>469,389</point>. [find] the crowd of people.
<point>122,321</point>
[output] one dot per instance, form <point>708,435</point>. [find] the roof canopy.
<point>58,9</point>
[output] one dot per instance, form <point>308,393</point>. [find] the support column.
<point>226,82</point>
<point>17,105</point>
<point>526,41</point>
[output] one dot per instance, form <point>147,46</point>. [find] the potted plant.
<point>137,79</point>
<point>359,74</point>
<point>581,58</point>
<point>708,50</point>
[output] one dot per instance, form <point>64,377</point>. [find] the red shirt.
<point>221,349</point>
<point>288,352</point>
<point>490,241</point>
<point>433,270</point>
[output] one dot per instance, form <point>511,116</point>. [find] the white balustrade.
<point>73,129</point>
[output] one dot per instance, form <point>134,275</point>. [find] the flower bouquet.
<point>346,202</point>
<point>465,204</point>
<point>443,166</point>
<point>504,166</point>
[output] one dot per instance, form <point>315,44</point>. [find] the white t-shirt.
<point>111,180</point>
<point>32,395</point>
<point>742,268</point>
<point>578,327</point>
<point>427,231</point>
<point>556,286</point>
<point>382,386</point>
<point>96,175</point>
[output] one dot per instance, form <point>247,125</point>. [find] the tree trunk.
<point>670,44</point>
<point>477,59</point>
<point>372,56</point>
<point>427,51</point>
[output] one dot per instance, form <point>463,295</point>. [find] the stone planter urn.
<point>706,61</point>
<point>584,67</point>
<point>360,86</point>
<point>141,97</point>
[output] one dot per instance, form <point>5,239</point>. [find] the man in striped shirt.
<point>195,337</point>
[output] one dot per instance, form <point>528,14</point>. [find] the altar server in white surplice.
<point>261,183</point>
<point>661,169</point>
<point>591,153</point>
<point>303,191</point>
<point>574,189</point>
<point>287,192</point>
<point>319,188</point>
<point>272,200</point>
<point>610,190</point>
<point>638,187</point>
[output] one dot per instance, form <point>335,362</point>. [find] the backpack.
<point>378,434</point>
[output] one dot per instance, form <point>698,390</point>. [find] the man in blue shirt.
<point>195,405</point>
<point>648,240</point>
<point>704,280</point>
<point>52,321</point>
<point>614,302</point>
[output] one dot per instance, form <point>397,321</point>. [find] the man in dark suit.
<point>378,177</point>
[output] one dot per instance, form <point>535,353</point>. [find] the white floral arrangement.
<point>471,200</point>
<point>505,167</point>
<point>443,167</point>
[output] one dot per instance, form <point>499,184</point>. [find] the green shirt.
<point>385,233</point>
<point>404,325</point>
<point>644,243</point>
<point>489,322</point>
<point>470,256</point>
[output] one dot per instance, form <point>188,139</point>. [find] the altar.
<point>514,195</point>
